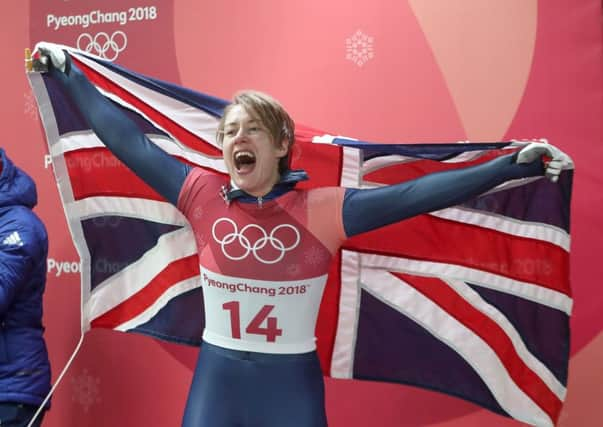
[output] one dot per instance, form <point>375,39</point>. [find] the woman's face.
<point>249,152</point>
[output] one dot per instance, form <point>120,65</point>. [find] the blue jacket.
<point>24,365</point>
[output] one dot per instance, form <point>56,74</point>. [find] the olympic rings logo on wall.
<point>244,241</point>
<point>103,45</point>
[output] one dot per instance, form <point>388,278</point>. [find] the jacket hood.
<point>16,187</point>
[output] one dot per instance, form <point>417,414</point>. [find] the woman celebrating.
<point>254,230</point>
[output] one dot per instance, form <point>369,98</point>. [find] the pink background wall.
<point>388,70</point>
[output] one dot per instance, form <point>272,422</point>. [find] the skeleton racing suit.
<point>264,264</point>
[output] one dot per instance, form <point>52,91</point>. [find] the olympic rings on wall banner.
<point>103,45</point>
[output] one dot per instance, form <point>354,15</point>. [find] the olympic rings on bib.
<point>103,45</point>
<point>245,242</point>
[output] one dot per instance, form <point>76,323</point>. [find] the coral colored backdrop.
<point>388,70</point>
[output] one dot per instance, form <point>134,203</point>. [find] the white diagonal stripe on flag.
<point>122,285</point>
<point>194,120</point>
<point>473,298</point>
<point>404,298</point>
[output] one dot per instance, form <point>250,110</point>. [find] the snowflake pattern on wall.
<point>86,391</point>
<point>359,48</point>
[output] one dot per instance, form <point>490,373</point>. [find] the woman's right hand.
<point>44,52</point>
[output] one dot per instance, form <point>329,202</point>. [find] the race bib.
<point>261,316</point>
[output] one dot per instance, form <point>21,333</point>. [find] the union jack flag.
<point>473,300</point>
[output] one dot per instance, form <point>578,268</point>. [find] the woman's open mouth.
<point>244,161</point>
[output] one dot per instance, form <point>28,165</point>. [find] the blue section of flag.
<point>66,116</point>
<point>392,347</point>
<point>540,202</point>
<point>181,320</point>
<point>115,242</point>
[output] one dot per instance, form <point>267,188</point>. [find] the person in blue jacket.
<point>24,364</point>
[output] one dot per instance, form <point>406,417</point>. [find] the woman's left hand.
<point>554,159</point>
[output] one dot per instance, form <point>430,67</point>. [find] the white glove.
<point>535,150</point>
<point>53,52</point>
